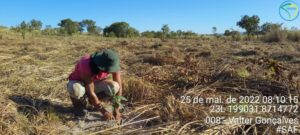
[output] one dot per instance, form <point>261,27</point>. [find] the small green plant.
<point>116,100</point>
<point>242,72</point>
<point>276,69</point>
<point>51,114</point>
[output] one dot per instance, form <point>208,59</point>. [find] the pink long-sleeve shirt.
<point>83,67</point>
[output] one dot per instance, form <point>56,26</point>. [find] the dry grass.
<point>137,89</point>
<point>34,73</point>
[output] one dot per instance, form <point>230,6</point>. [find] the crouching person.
<point>89,80</point>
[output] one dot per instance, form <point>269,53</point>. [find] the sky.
<point>196,15</point>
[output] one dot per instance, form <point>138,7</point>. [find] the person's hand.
<point>107,115</point>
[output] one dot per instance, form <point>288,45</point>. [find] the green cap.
<point>106,60</point>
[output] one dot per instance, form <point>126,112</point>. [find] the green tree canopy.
<point>69,26</point>
<point>227,33</point>
<point>165,30</point>
<point>250,24</point>
<point>90,26</point>
<point>35,24</point>
<point>214,30</point>
<point>148,34</point>
<point>120,29</point>
<point>22,28</point>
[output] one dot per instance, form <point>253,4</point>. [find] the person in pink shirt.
<point>89,80</point>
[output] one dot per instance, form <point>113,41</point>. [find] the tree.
<point>214,31</point>
<point>35,24</point>
<point>22,28</point>
<point>98,30</point>
<point>87,23</point>
<point>227,33</point>
<point>120,29</point>
<point>173,34</point>
<point>94,30</point>
<point>250,24</point>
<point>179,33</point>
<point>132,32</point>
<point>90,26</point>
<point>189,34</point>
<point>50,31</point>
<point>165,31</point>
<point>67,26</point>
<point>148,34</point>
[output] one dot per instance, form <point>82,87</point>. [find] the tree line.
<point>117,29</point>
<point>268,32</point>
<point>271,32</point>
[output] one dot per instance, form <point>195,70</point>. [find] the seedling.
<point>276,68</point>
<point>116,100</point>
<point>242,72</point>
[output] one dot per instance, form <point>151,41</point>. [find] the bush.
<point>236,36</point>
<point>275,36</point>
<point>293,36</point>
<point>51,31</point>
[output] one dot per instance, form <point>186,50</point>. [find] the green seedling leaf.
<point>116,100</point>
<point>111,90</point>
<point>272,69</point>
<point>122,98</point>
<point>243,73</point>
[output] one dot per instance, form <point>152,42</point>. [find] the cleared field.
<point>156,75</point>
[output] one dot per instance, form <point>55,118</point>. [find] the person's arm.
<point>93,99</point>
<point>89,88</point>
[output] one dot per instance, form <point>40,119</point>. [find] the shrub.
<point>236,36</point>
<point>275,36</point>
<point>51,31</point>
<point>293,36</point>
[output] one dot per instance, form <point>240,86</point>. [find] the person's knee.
<point>113,86</point>
<point>76,90</point>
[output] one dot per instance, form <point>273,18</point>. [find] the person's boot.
<point>79,106</point>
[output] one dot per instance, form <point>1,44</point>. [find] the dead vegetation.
<point>34,74</point>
